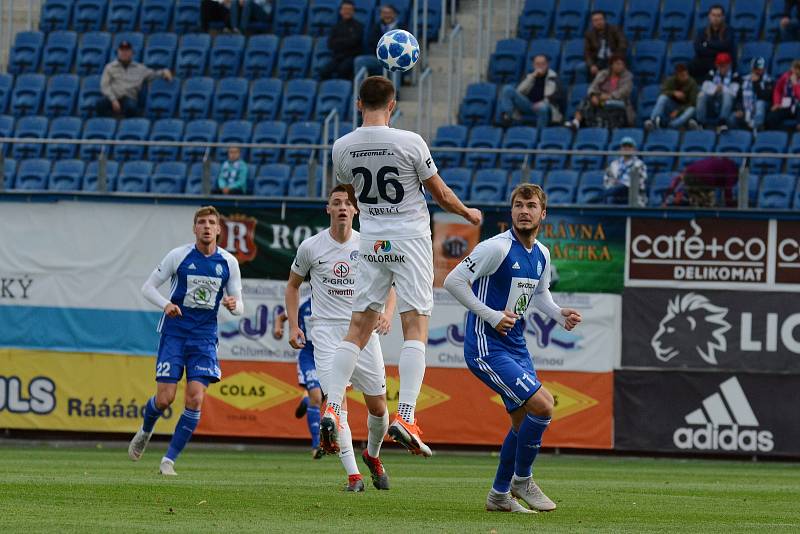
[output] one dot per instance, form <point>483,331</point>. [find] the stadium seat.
<point>322,15</point>
<point>294,56</point>
<point>611,8</point>
<point>676,19</point>
<point>753,181</point>
<point>289,16</point>
<point>658,187</point>
<point>646,102</point>
<point>591,188</point>
<point>576,95</point>
<point>32,175</point>
<point>459,180</point>
<point>136,39</point>
<point>321,57</point>
<point>162,98</point>
<point>570,18</point>
<point>253,19</point>
<point>333,94</point>
<point>63,128</point>
<point>783,56</point>
<point>268,132</point>
<point>589,139</point>
<point>61,95</point>
<point>751,50</point>
<point>7,123</point>
<point>696,141</point>
<point>573,64</point>
<point>194,182</point>
<point>516,177</point>
<point>746,19</point>
<point>26,53</point>
<point>768,142</point>
<point>298,100</point>
<point>134,177</point>
<point>796,202</point>
<point>6,88</point>
<point>550,48</point>
<point>560,187</point>
<point>88,96</point>
<point>734,141</point>
<point>793,165</point>
<point>648,61</point>
<point>302,133</point>
<point>169,178</point>
<point>165,130</point>
<point>156,16</point>
<point>364,12</point>
<point>55,15</point>
<point>483,137</point>
<point>230,99</point>
<point>9,173</point>
<point>640,19</point>
<point>522,137</point>
<point>192,55</point>
<point>226,55</point>
<point>776,191</point>
<point>59,52</point>
<point>679,52</point>
<point>489,185</point>
<point>477,107</point>
<point>506,62</point>
<point>264,99</point>
<point>91,176</point>
<point>554,137</point>
<point>660,141</point>
<point>234,131</point>
<point>434,20</point>
<point>536,18</point>
<point>134,129</point>
<point>637,134</point>
<point>32,127</point>
<point>159,53</point>
<point>298,183</point>
<point>259,56</point>
<point>66,175</point>
<point>453,135</point>
<point>196,98</point>
<point>88,15</point>
<point>198,131</point>
<point>97,128</point>
<point>123,15</point>
<point>28,94</point>
<point>272,180</point>
<point>187,16</point>
<point>93,53</point>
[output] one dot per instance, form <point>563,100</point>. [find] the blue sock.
<point>508,452</point>
<point>183,432</point>
<point>530,439</point>
<point>312,418</point>
<point>151,414</point>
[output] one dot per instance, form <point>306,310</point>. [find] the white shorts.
<point>408,263</point>
<point>369,376</point>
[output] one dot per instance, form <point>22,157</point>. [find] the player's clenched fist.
<point>172,310</point>
<point>474,216</point>
<point>229,302</point>
<point>507,322</point>
<point>297,339</point>
<point>573,318</point>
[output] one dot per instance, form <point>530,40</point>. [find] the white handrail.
<point>360,76</point>
<point>455,71</point>
<point>333,116</point>
<point>425,103</point>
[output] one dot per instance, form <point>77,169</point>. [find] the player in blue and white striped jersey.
<point>199,273</point>
<point>497,282</point>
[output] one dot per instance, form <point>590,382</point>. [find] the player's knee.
<point>194,400</point>
<point>315,397</point>
<point>541,404</point>
<point>164,400</point>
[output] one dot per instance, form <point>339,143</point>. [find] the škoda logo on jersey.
<point>382,254</point>
<point>238,236</point>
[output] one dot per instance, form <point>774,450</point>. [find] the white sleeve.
<point>342,175</point>
<point>422,159</point>
<point>542,298</point>
<point>708,87</point>
<point>234,286</point>
<point>163,272</point>
<point>302,262</point>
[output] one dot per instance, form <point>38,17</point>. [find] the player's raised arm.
<point>233,301</point>
<point>163,272</point>
<point>448,201</point>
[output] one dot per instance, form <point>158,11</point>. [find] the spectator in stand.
<point>535,100</point>
<point>260,12</point>
<point>345,41</point>
<point>698,184</point>
<point>388,21</point>
<point>753,98</point>
<point>714,39</point>
<point>232,179</point>
<point>790,27</point>
<point>621,172</point>
<point>601,42</point>
<point>786,101</point>
<point>121,82</point>
<point>675,105</point>
<point>217,11</point>
<point>719,91</point>
<point>607,103</point>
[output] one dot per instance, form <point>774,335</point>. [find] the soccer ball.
<point>398,50</point>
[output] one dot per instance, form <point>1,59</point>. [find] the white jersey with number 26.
<point>387,168</point>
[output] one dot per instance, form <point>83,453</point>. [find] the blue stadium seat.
<point>92,53</point>
<point>63,128</point>
<point>477,107</point>
<point>560,187</point>
<point>198,131</point>
<point>136,39</point>
<point>576,95</point>
<point>66,175</point>
<point>169,178</point>
<point>453,135</point>
<point>272,180</point>
<point>404,12</point>
<point>226,55</point>
<point>550,48</point>
<point>259,56</point>
<point>32,127</point>
<point>676,19</point>
<point>796,203</point>
<point>28,94</point>
<point>196,98</point>
<point>746,19</point>
<point>9,172</point>
<point>591,188</point>
<point>55,15</point>
<point>611,8</point>
<point>483,137</point>
<point>268,132</point>
<point>660,141</point>
<point>434,20</point>
<point>26,53</point>
<point>294,56</point>
<point>734,141</point>
<point>298,183</point>
<point>97,128</point>
<point>7,123</point>
<point>506,62</point>
<point>134,177</point>
<point>302,133</point>
<point>264,99</point>
<point>289,16</point>
<point>162,98</point>
<point>783,56</point>
<point>156,15</point>
<point>573,64</point>
<point>134,129</point>
<point>753,181</point>
<point>321,57</point>
<point>230,99</point>
<point>123,15</point>
<point>194,182</point>
<point>90,92</point>
<point>322,16</point>
<point>165,130</point>
<point>459,179</point>
<point>658,188</point>
<point>589,139</point>
<point>640,19</point>
<point>772,20</point>
<point>192,55</point>
<point>515,178</point>
<point>553,137</point>
<point>61,95</point>
<point>646,102</point>
<point>333,94</point>
<point>234,131</point>
<point>536,18</point>
<point>298,100</point>
<point>776,191</point>
<point>159,53</point>
<point>619,133</point>
<point>570,18</point>
<point>187,16</point>
<point>750,50</point>
<point>6,88</point>
<point>32,175</point>
<point>793,165</point>
<point>696,141</point>
<point>88,15</point>
<point>489,185</point>
<point>364,9</point>
<point>90,177</point>
<point>522,137</point>
<point>679,52</point>
<point>59,52</point>
<point>253,18</point>
<point>648,61</point>
<point>769,142</point>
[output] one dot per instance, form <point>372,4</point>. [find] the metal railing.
<point>484,41</point>
<point>333,117</point>
<point>425,104</point>
<point>455,71</point>
<point>360,76</point>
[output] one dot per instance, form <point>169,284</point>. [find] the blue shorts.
<point>306,370</point>
<point>511,376</point>
<point>198,356</point>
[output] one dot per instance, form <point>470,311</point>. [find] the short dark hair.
<point>348,2</point>
<point>528,191</point>
<point>345,188</point>
<point>598,12</point>
<point>376,92</point>
<point>681,67</point>
<point>717,6</point>
<point>617,57</point>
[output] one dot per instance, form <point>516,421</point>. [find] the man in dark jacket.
<point>712,40</point>
<point>345,43</point>
<point>790,26</point>
<point>675,105</point>
<point>388,21</point>
<point>600,42</point>
<point>753,99</point>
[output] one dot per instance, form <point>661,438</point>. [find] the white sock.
<point>377,429</point>
<point>412,371</point>
<point>344,363</point>
<point>346,446</point>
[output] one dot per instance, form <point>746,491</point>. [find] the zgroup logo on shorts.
<point>341,269</point>
<point>383,246</point>
<point>692,324</point>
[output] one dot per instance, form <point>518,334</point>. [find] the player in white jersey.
<point>331,259</point>
<point>388,168</point>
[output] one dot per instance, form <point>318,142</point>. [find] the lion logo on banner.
<point>691,320</point>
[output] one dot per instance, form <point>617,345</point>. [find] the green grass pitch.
<point>81,489</point>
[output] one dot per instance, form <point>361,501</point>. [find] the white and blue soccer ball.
<point>398,50</point>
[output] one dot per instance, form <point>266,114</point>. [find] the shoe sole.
<point>300,411</point>
<point>328,436</point>
<point>404,438</point>
<point>534,508</point>
<point>381,482</point>
<point>523,511</point>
